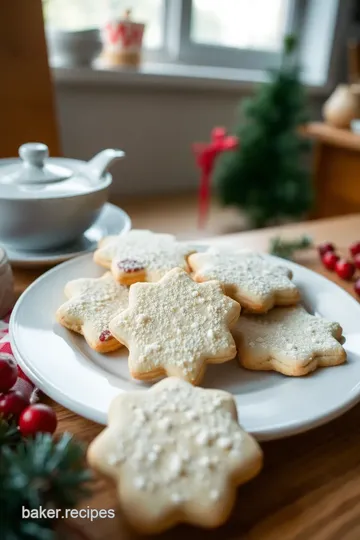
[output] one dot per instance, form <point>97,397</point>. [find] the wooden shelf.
<point>342,138</point>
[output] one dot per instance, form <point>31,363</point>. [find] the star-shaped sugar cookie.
<point>288,340</point>
<point>176,326</point>
<point>92,303</point>
<point>176,454</point>
<point>251,279</point>
<point>141,255</point>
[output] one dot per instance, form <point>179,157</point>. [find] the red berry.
<point>357,260</point>
<point>357,286</point>
<point>344,269</point>
<point>38,418</point>
<point>105,335</point>
<point>329,260</point>
<point>12,403</point>
<point>325,247</point>
<point>355,248</point>
<point>8,373</point>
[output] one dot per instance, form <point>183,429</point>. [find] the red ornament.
<point>357,286</point>
<point>206,155</point>
<point>344,269</point>
<point>325,247</point>
<point>329,260</point>
<point>355,248</point>
<point>12,403</point>
<point>8,373</point>
<point>357,260</point>
<point>38,418</point>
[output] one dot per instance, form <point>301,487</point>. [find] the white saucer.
<point>112,220</point>
<point>270,405</point>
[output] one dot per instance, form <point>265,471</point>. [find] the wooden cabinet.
<point>27,109</point>
<point>336,170</point>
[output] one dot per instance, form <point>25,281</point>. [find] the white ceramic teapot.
<point>48,202</point>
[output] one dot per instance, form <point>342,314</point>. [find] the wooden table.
<point>309,488</point>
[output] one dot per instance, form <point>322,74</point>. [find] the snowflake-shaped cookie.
<point>141,255</point>
<point>92,303</point>
<point>176,326</point>
<point>288,340</point>
<point>251,279</point>
<point>176,453</point>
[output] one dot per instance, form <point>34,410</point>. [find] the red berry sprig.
<point>344,268</point>
<point>325,247</point>
<point>12,404</point>
<point>32,419</point>
<point>355,249</point>
<point>329,260</point>
<point>8,373</point>
<point>38,418</point>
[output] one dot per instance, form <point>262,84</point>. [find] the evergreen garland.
<point>287,248</point>
<point>266,176</point>
<point>38,472</point>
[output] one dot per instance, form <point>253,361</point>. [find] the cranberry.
<point>130,265</point>
<point>38,418</point>
<point>12,403</point>
<point>344,269</point>
<point>8,373</point>
<point>105,335</point>
<point>357,286</point>
<point>355,248</point>
<point>325,247</point>
<point>329,260</point>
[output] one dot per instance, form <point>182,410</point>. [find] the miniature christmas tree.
<point>266,176</point>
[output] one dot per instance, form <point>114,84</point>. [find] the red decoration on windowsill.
<point>206,154</point>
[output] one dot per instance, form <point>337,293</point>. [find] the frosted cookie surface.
<point>176,453</point>
<point>288,340</point>
<point>176,326</point>
<point>251,279</point>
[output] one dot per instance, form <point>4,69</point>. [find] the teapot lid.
<point>34,169</point>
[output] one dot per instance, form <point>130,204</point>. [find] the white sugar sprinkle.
<point>139,482</point>
<point>164,423</point>
<point>202,438</point>
<point>177,498</point>
<point>224,442</point>
<point>214,495</point>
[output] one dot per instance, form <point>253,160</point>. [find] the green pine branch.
<point>266,176</point>
<point>39,472</point>
<point>287,248</point>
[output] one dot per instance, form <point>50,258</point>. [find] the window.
<point>242,34</point>
<point>81,14</point>
<point>244,24</point>
<point>233,33</point>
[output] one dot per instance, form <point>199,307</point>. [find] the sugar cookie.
<point>251,279</point>
<point>176,326</point>
<point>92,303</point>
<point>176,454</point>
<point>288,340</point>
<point>141,255</point>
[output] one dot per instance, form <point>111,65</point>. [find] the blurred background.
<point>196,63</point>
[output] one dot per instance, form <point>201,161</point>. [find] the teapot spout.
<point>100,163</point>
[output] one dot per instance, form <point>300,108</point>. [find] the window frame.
<point>179,48</point>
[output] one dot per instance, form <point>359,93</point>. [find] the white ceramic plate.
<point>270,405</point>
<point>112,220</point>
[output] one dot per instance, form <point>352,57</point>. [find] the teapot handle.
<point>100,163</point>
